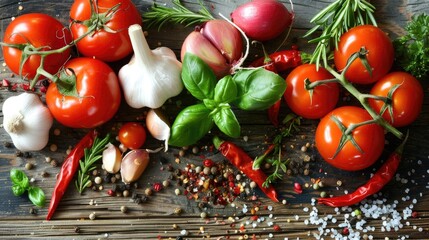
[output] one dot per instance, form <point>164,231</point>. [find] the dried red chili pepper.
<point>383,175</point>
<point>244,163</point>
<point>68,170</point>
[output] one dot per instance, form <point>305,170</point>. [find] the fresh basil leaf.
<point>198,78</point>
<point>226,121</point>
<point>190,125</point>
<point>210,104</point>
<point>18,177</point>
<point>37,196</point>
<point>225,90</point>
<point>258,89</point>
<point>18,190</point>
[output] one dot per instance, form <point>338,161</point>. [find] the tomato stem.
<point>363,100</point>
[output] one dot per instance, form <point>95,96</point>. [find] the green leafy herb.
<point>258,88</point>
<point>334,20</point>
<point>21,183</point>
<point>273,155</point>
<point>91,156</point>
<point>412,49</point>
<point>190,125</point>
<point>255,89</point>
<point>159,15</point>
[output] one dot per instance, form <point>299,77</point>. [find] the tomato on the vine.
<point>132,135</point>
<point>314,103</point>
<point>363,147</point>
<point>405,98</point>
<point>380,54</point>
<point>98,95</point>
<point>39,31</point>
<point>111,41</point>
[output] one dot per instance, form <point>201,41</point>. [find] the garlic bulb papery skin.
<point>152,76</point>
<point>27,120</point>
<point>158,126</point>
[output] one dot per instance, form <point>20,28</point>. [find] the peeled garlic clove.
<point>133,165</point>
<point>158,126</point>
<point>112,158</point>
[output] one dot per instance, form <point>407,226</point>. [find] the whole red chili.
<point>244,163</point>
<point>383,175</point>
<point>282,60</point>
<point>68,170</point>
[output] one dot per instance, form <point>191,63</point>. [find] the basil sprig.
<point>20,184</point>
<point>247,89</point>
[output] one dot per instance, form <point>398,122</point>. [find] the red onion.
<point>217,43</point>
<point>262,20</point>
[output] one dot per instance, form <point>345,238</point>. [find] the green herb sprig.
<point>160,15</point>
<point>21,184</point>
<point>290,126</point>
<point>334,20</point>
<point>412,49</point>
<point>91,156</point>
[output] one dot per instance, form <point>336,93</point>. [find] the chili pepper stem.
<point>217,141</point>
<point>259,160</point>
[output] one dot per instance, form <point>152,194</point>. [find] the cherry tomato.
<point>132,135</point>
<point>380,53</point>
<point>40,31</point>
<point>105,45</point>
<point>99,95</point>
<point>406,100</point>
<point>315,103</point>
<point>369,139</point>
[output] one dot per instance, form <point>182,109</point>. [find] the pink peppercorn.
<point>297,187</point>
<point>208,162</point>
<point>157,187</point>
<point>111,193</point>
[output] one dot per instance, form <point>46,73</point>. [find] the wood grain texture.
<point>155,219</point>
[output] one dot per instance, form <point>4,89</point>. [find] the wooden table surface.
<point>166,215</point>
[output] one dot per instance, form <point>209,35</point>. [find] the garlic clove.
<point>158,126</point>
<point>111,158</point>
<point>133,165</point>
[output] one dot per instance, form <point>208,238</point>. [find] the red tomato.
<point>380,53</point>
<point>369,138</point>
<point>99,95</point>
<point>41,31</point>
<point>104,45</point>
<point>406,100</point>
<point>312,104</point>
<point>132,135</point>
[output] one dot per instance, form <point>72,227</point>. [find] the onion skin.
<point>217,43</point>
<point>262,20</point>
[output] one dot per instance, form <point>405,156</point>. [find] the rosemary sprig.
<point>159,15</point>
<point>91,156</point>
<point>290,126</point>
<point>334,20</point>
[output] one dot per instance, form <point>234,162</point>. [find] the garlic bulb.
<point>158,126</point>
<point>27,120</point>
<point>152,76</point>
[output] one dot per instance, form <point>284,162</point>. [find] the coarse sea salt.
<point>378,208</point>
